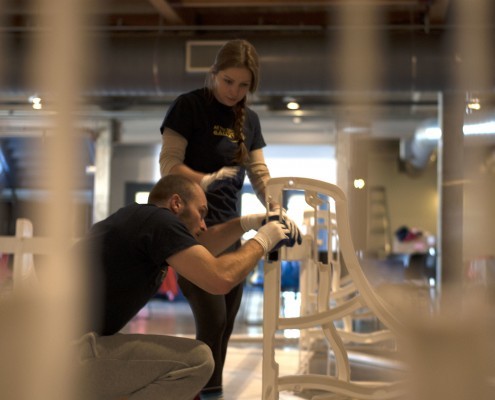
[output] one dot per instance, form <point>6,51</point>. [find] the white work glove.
<point>272,235</point>
<point>255,221</point>
<point>222,174</point>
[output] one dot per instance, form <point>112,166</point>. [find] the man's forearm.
<point>235,266</point>
<point>219,237</point>
<point>218,275</point>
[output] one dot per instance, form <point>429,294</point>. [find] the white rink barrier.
<point>330,300</point>
<point>23,246</point>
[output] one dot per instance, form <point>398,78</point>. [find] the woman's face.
<point>231,85</point>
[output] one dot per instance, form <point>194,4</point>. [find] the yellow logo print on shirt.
<point>227,132</point>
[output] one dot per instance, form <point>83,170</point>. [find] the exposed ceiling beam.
<point>165,10</point>
<point>293,3</point>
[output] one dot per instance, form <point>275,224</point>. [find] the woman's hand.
<point>223,174</point>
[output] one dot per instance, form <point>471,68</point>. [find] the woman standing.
<point>212,137</point>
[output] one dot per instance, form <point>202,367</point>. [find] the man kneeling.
<point>127,256</point>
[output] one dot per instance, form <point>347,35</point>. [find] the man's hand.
<point>255,221</point>
<point>222,174</point>
<point>272,235</point>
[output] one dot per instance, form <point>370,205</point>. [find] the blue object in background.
<point>289,277</point>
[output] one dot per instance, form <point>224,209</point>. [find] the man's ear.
<point>176,203</point>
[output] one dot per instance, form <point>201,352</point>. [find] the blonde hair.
<point>237,53</point>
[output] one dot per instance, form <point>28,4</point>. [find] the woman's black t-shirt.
<point>207,125</point>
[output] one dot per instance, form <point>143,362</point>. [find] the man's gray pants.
<point>151,367</point>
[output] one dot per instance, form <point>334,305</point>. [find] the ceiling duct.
<point>158,65</point>
<point>418,151</point>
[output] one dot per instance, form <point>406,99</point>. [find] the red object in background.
<point>5,271</point>
<point>169,286</point>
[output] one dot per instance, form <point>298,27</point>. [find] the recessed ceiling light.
<point>293,105</point>
<point>35,100</point>
<point>474,105</point>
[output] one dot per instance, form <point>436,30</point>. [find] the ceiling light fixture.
<point>435,133</point>
<point>293,105</point>
<point>359,183</point>
<point>473,105</point>
<point>36,102</point>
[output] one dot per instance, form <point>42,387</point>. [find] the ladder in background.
<point>379,236</point>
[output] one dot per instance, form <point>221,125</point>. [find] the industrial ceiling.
<point>143,53</point>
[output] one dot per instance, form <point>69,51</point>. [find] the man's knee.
<point>207,363</point>
<point>201,357</point>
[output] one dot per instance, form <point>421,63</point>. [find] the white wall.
<point>412,200</point>
<point>479,204</point>
<point>304,161</point>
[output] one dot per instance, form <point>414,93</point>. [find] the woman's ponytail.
<point>242,154</point>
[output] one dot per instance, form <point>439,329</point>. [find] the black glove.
<point>294,232</point>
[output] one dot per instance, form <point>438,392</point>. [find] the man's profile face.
<point>194,212</point>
